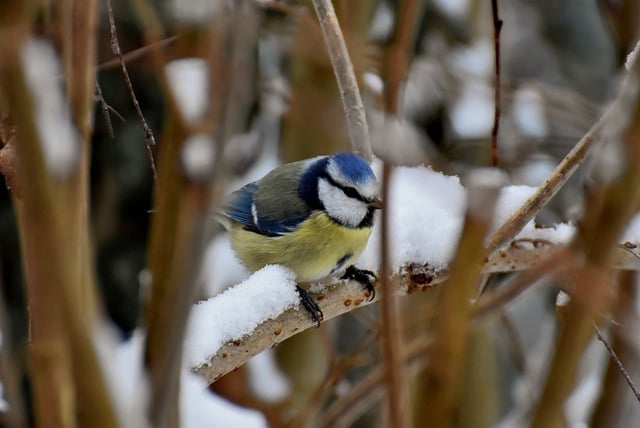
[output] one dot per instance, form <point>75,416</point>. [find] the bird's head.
<point>344,186</point>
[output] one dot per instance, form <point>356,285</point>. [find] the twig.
<point>548,189</point>
<point>391,342</point>
<point>136,53</point>
<point>497,26</point>
<point>347,83</point>
<point>148,133</point>
<point>104,108</point>
<point>617,362</point>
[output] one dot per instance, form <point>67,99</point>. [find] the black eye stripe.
<point>349,191</point>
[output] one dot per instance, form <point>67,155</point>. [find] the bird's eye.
<point>351,192</point>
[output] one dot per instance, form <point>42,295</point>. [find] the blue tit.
<point>313,216</point>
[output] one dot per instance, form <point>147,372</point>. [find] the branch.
<point>343,297</point>
<point>617,362</point>
<point>497,26</point>
<point>148,133</point>
<point>343,68</point>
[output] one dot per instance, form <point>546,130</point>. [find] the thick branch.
<point>344,297</point>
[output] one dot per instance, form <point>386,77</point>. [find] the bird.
<point>313,216</point>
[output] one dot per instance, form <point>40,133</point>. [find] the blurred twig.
<point>617,362</point>
<point>445,372</point>
<point>137,53</point>
<point>347,82</point>
<point>608,209</point>
<point>497,26</point>
<point>148,133</point>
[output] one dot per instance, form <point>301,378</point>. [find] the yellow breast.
<point>317,248</point>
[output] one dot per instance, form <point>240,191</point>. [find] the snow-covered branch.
<point>212,358</point>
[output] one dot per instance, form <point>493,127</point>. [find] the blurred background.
<point>560,65</point>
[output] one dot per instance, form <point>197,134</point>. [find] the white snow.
<point>198,12</point>
<point>476,60</point>
<point>198,156</point>
<point>633,55</point>
<point>221,268</point>
<point>238,311</point>
<point>472,114</point>
<point>189,82</point>
<point>198,406</point>
<point>266,380</point>
<point>425,211</point>
<point>511,199</point>
<point>528,112</point>
<point>52,115</point>
<point>201,408</point>
<point>632,231</point>
<point>4,406</point>
<point>454,8</point>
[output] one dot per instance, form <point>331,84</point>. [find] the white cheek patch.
<point>340,207</point>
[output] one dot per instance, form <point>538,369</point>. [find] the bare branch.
<point>617,362</point>
<point>497,26</point>
<point>347,82</point>
<point>148,133</point>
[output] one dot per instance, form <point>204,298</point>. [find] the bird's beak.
<point>376,203</point>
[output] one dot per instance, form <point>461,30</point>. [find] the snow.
<point>632,232</point>
<point>266,380</point>
<point>238,311</point>
<point>58,137</point>
<point>198,12</point>
<point>528,112</point>
<point>454,8</point>
<point>472,114</point>
<point>198,157</point>
<point>511,199</point>
<point>425,211</point>
<point>633,55</point>
<point>201,408</point>
<point>198,406</point>
<point>221,268</point>
<point>476,60</point>
<point>189,82</point>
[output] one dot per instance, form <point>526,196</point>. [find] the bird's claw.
<point>364,277</point>
<point>310,305</point>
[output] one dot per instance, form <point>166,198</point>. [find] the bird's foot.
<point>364,277</point>
<point>310,305</point>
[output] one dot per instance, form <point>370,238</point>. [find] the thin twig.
<point>343,68</point>
<point>497,26</point>
<point>136,53</point>
<point>617,362</point>
<point>148,133</point>
<point>104,108</point>
<point>548,189</point>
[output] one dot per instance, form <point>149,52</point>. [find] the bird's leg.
<point>310,305</point>
<point>364,277</point>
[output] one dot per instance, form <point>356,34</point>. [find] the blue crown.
<point>353,167</point>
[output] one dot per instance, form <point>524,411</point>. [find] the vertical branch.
<point>148,133</point>
<point>396,66</point>
<point>347,82</point>
<point>497,26</point>
<point>446,366</point>
<point>391,341</point>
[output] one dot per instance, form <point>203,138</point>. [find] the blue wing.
<point>242,208</point>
